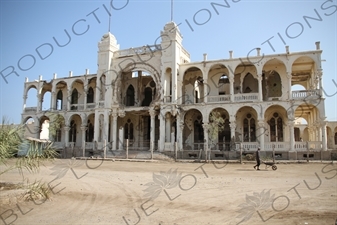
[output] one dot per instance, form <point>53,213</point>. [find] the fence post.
<point>307,151</point>
<point>104,149</point>
<point>273,153</point>
<point>152,147</point>
<point>241,152</point>
<point>127,148</point>
<point>175,151</point>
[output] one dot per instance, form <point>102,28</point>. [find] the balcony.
<point>303,94</point>
<point>138,51</point>
<point>219,98</point>
<point>30,109</point>
<point>76,106</point>
<point>246,97</point>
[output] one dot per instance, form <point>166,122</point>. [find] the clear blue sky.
<point>244,25</point>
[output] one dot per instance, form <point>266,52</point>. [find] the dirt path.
<point>193,193</point>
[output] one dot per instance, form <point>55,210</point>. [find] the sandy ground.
<point>120,192</point>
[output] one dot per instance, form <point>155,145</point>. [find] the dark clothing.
<point>257,156</point>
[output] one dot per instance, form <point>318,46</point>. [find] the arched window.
<point>74,96</point>
<point>223,83</point>
<point>74,99</point>
<point>130,96</point>
<point>72,131</point>
<point>148,96</point>
<point>58,135</point>
<point>336,138</point>
<point>59,100</point>
<point>198,131</point>
<point>249,129</point>
<point>276,128</point>
<point>250,84</point>
<point>90,95</point>
<point>89,133</point>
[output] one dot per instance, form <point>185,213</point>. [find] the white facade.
<point>154,96</point>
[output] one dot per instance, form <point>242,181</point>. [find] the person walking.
<point>257,156</point>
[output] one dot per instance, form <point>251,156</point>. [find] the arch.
<point>77,81</point>
<point>89,133</point>
<point>59,100</point>
<point>191,68</point>
<point>32,95</point>
<point>130,96</point>
<point>147,96</point>
<point>271,84</point>
<point>74,99</point>
<point>193,131</point>
<point>46,100</point>
<point>220,133</point>
<point>75,122</point>
<point>298,87</point>
<point>271,79</point>
<point>193,88</point>
<point>223,85</point>
<point>168,85</point>
<point>302,68</point>
<point>249,84</point>
<point>246,118</point>
<point>44,127</point>
<point>132,66</point>
<point>276,116</point>
<point>308,112</point>
<point>90,95</point>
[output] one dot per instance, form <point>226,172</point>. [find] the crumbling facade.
<point>153,96</point>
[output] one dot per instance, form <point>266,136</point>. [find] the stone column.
<point>179,131</point>
<point>152,130</point>
<point>168,127</point>
<point>161,132</point>
<point>37,128</point>
<point>319,75</point>
<point>52,101</point>
<point>68,99</point>
<point>292,136</point>
<point>83,129</point>
<point>66,137</point>
<point>232,125</point>
<point>180,135</point>
<point>96,127</point>
<point>114,131</point>
<point>290,95</point>
<point>259,78</point>
<point>324,136</point>
<point>231,88</point>
<point>24,103</point>
<point>85,98</point>
<point>205,126</point>
<point>261,134</point>
<point>39,103</point>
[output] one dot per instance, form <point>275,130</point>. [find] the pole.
<point>273,153</point>
<point>104,149</point>
<point>176,150</point>
<point>241,152</point>
<point>307,151</point>
<point>152,146</point>
<point>127,148</point>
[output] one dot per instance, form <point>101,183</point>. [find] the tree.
<point>11,141</point>
<point>216,125</point>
